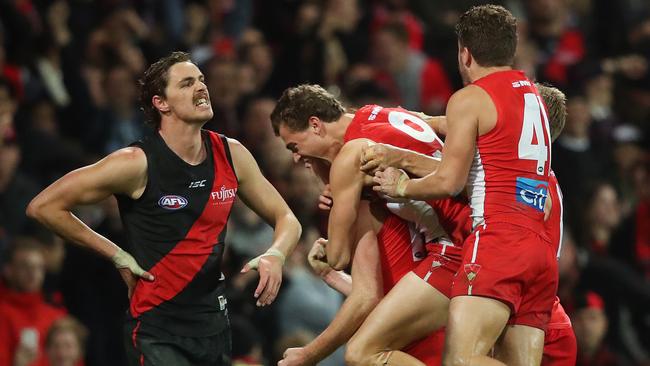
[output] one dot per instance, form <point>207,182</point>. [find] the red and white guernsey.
<point>508,181</point>
<point>398,127</point>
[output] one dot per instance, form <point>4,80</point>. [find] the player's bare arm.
<point>275,211</point>
<point>379,157</point>
<point>346,183</point>
<point>365,293</point>
<point>463,113</point>
<point>91,184</point>
<point>338,280</point>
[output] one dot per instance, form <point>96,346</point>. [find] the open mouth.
<point>201,102</point>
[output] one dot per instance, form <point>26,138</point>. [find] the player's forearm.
<point>68,226</point>
<point>418,165</point>
<point>287,234</point>
<point>349,318</point>
<point>432,186</point>
<point>339,281</point>
<point>438,123</point>
<point>339,247</point>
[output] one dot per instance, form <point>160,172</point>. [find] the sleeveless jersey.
<point>176,231</point>
<point>508,181</point>
<point>554,224</point>
<point>398,127</point>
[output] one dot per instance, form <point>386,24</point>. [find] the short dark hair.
<point>490,34</point>
<point>154,81</point>
<point>555,102</point>
<point>297,104</point>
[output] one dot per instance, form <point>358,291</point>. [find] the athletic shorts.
<point>440,266</point>
<point>428,350</point>
<point>511,264</point>
<point>560,347</point>
<point>147,345</point>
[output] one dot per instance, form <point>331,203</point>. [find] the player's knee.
<point>354,354</point>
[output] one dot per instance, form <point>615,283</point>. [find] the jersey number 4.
<point>533,114</point>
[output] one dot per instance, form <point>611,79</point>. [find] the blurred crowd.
<point>69,95</point>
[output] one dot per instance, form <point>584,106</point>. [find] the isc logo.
<point>172,202</point>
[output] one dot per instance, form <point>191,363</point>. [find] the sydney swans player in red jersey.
<point>314,125</point>
<point>175,190</point>
<point>560,347</point>
<point>498,143</point>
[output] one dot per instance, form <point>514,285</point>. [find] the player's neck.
<point>481,72</point>
<point>336,131</point>
<point>184,139</point>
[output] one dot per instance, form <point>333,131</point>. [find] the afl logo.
<point>172,202</point>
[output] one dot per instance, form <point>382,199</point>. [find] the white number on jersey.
<point>397,119</point>
<point>533,114</point>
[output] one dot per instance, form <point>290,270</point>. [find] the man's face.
<point>64,348</point>
<point>303,144</point>
<point>187,96</point>
<point>26,271</point>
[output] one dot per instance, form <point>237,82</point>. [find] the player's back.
<point>394,126</point>
<point>398,127</point>
<point>508,181</point>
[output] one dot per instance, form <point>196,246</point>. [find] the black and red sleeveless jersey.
<point>176,231</point>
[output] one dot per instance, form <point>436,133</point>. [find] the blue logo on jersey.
<point>532,192</point>
<point>172,202</point>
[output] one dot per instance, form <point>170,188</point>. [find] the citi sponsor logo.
<point>532,193</point>
<point>172,202</point>
<point>224,194</point>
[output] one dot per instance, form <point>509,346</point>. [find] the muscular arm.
<point>364,296</point>
<point>88,185</point>
<point>339,281</point>
<point>346,183</point>
<point>449,179</point>
<point>258,194</point>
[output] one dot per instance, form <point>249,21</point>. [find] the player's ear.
<point>316,124</point>
<point>160,103</point>
<point>466,57</point>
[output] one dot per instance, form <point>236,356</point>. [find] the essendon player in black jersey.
<point>175,191</point>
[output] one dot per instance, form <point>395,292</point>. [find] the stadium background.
<point>68,95</point>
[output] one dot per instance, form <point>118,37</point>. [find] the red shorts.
<point>398,254</point>
<point>440,266</point>
<point>428,350</point>
<point>560,347</point>
<point>511,264</point>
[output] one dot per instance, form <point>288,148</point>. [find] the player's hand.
<point>130,270</point>
<point>376,157</point>
<point>325,199</point>
<point>317,258</point>
<point>294,357</point>
<point>391,182</point>
<point>548,206</point>
<point>269,267</point>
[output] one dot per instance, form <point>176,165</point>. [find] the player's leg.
<point>473,328</point>
<point>412,310</point>
<point>520,345</point>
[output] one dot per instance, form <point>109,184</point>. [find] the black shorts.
<point>148,345</point>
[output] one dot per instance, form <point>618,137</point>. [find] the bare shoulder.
<point>128,160</point>
<point>130,164</point>
<point>471,96</point>
<point>243,161</point>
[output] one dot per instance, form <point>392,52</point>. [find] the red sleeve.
<point>435,86</point>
